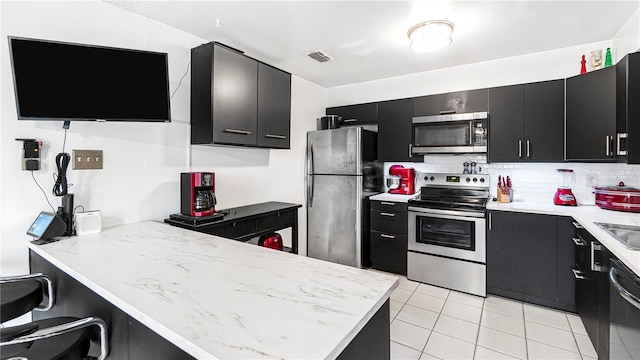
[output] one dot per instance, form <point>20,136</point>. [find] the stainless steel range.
<point>447,232</point>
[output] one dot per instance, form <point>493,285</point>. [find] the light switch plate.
<point>592,180</point>
<point>87,159</point>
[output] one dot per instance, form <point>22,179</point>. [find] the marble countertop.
<point>217,298</point>
<point>392,197</point>
<point>587,216</point>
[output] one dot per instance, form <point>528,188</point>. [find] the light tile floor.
<point>429,322</point>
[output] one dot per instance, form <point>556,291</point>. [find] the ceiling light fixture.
<point>430,35</point>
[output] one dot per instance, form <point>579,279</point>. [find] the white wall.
<point>627,40</point>
<point>142,161</point>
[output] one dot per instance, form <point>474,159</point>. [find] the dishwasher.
<point>624,316</point>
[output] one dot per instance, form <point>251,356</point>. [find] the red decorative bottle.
<point>583,68</point>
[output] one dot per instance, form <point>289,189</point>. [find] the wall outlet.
<point>592,180</point>
<point>87,159</point>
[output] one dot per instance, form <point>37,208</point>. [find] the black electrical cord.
<point>44,193</point>
<point>62,162</point>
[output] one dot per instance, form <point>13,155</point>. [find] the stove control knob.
<point>467,179</point>
<point>431,178</point>
<point>475,179</point>
<point>481,180</point>
<point>426,178</point>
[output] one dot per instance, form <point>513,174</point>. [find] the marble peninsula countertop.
<point>217,298</point>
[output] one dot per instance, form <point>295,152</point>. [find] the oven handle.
<point>446,213</point>
<point>631,299</point>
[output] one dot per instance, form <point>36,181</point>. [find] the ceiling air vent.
<point>320,56</point>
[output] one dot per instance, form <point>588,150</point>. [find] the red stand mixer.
<point>401,180</point>
<point>566,178</point>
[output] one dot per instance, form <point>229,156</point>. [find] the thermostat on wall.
<point>89,222</point>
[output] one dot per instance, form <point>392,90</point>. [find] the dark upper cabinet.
<point>591,116</point>
<point>544,120</point>
<point>527,122</point>
<point>455,102</point>
<point>359,114</point>
<point>274,107</point>
<point>395,130</point>
<point>506,123</point>
<point>628,107</point>
<point>229,103</point>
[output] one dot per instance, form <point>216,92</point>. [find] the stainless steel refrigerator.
<point>341,173</point>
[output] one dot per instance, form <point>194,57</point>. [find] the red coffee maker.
<point>401,180</point>
<point>197,196</point>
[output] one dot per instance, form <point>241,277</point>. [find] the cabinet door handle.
<point>577,274</point>
<point>272,136</point>
<point>619,150</point>
<point>388,236</point>
<point>519,148</point>
<point>410,150</point>
<point>607,147</point>
<point>387,203</point>
<point>595,247</point>
<point>447,112</point>
<point>528,152</point>
<point>349,120</point>
<point>387,214</point>
<point>578,241</point>
<point>577,225</point>
<point>239,132</point>
<point>489,221</point>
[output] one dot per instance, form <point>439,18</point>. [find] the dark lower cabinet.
<point>128,339</point>
<point>388,236</point>
<point>592,289</point>
<point>526,260</point>
<point>395,131</point>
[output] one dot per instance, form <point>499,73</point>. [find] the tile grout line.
<point>526,342</point>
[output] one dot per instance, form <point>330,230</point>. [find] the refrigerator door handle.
<point>310,182</point>
<point>359,199</point>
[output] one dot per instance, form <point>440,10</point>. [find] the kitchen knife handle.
<point>607,147</point>
<point>528,146</point>
<point>519,148</point>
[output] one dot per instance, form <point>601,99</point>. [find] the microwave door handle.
<point>471,140</point>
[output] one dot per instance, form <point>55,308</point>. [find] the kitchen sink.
<point>627,235</point>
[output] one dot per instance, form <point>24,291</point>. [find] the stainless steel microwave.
<point>450,133</point>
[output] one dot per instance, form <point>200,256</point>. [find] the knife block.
<point>504,197</point>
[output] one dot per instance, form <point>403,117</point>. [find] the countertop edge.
<point>147,321</point>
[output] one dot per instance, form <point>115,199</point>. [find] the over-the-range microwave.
<point>450,133</point>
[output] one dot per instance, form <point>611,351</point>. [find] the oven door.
<point>455,234</point>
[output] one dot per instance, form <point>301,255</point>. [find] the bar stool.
<point>59,338</point>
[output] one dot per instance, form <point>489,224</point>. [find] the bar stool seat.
<point>19,298</point>
<point>72,345</point>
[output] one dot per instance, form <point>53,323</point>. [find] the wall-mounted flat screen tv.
<point>64,81</point>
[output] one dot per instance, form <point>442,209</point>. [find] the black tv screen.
<point>64,81</point>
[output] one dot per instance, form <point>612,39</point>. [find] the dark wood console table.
<point>245,222</point>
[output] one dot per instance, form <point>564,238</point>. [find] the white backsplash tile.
<point>533,181</point>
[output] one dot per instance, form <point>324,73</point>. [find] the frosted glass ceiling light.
<point>430,35</point>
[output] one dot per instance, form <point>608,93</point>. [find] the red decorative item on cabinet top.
<point>583,68</point>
